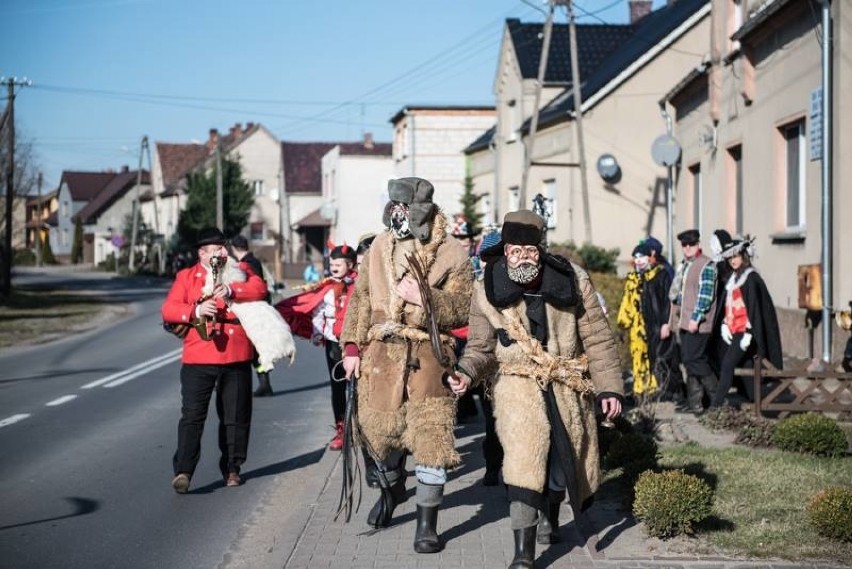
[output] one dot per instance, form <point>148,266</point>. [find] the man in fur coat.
<point>537,319</point>
<point>402,402</point>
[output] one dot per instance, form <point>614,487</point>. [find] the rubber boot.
<point>548,524</point>
<point>524,548</point>
<point>392,494</point>
<point>694,394</point>
<point>429,497</point>
<point>370,468</point>
<point>264,389</point>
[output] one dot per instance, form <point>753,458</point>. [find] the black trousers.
<point>733,356</point>
<point>233,407</point>
<point>333,355</point>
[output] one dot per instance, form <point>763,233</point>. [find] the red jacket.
<point>231,344</point>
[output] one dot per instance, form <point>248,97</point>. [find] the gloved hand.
<point>745,342</point>
<point>726,333</point>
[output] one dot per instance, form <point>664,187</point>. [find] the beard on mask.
<point>400,221</point>
<point>524,273</point>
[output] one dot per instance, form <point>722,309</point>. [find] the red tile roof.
<point>303,161</point>
<point>177,160</point>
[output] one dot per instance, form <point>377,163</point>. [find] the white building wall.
<point>260,157</point>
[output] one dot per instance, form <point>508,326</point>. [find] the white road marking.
<point>13,419</point>
<point>144,367</point>
<point>61,400</point>
<point>152,367</point>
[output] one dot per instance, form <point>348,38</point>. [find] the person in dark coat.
<point>750,325</point>
<point>240,250</point>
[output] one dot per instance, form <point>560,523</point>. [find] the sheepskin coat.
<point>402,403</point>
<point>579,360</point>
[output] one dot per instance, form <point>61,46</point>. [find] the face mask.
<point>400,222</point>
<point>641,263</point>
<point>524,273</point>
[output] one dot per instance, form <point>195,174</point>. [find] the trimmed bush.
<point>631,447</point>
<point>810,433</point>
<point>830,512</point>
<point>671,503</point>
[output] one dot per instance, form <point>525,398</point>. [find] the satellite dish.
<point>609,169</point>
<point>665,150</point>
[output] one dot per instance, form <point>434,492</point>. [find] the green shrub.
<point>597,259</point>
<point>830,512</point>
<point>631,447</point>
<point>671,503</point>
<point>810,433</point>
<point>757,433</point>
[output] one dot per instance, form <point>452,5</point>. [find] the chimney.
<point>236,130</point>
<point>639,9</point>
<point>125,169</point>
<point>213,139</point>
<point>368,141</point>
<point>249,125</point>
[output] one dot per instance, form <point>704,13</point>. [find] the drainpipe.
<point>827,226</point>
<point>669,189</point>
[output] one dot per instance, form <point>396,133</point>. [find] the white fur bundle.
<point>264,326</point>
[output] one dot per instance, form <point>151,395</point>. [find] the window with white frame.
<point>794,173</point>
<point>549,192</point>
<point>510,133</point>
<point>258,187</point>
<point>257,231</point>
<point>696,191</point>
<point>735,154</point>
<point>514,198</point>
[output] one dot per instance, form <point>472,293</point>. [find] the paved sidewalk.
<point>474,524</point>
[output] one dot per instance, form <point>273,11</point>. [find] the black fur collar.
<point>558,284</point>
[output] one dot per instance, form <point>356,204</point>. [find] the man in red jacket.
<point>216,354</point>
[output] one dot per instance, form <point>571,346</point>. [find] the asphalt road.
<point>88,426</point>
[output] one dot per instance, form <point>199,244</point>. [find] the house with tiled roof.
<point>623,69</point>
<point>749,122</point>
<point>76,189</point>
<point>354,187</point>
<point>428,143</point>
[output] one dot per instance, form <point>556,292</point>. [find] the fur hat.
<point>416,193</point>
<point>689,236</point>
<point>522,227</point>
<point>210,236</point>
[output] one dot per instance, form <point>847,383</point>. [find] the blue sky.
<point>107,72</point>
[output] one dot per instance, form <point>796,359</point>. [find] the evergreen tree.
<point>469,201</point>
<point>77,243</point>
<point>47,256</point>
<point>200,211</point>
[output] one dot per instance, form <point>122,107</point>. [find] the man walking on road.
<point>216,354</point>
<point>402,403</point>
<point>536,318</point>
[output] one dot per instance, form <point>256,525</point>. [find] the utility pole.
<point>576,87</point>
<point>38,225</point>
<point>131,263</point>
<point>220,218</point>
<point>279,249</point>
<point>542,70</point>
<point>9,118</point>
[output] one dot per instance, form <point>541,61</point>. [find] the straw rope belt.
<point>570,372</point>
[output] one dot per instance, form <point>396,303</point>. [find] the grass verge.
<point>760,498</point>
<point>30,316</point>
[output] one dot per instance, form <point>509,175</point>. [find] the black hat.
<point>718,242</point>
<point>689,236</point>
<point>210,236</point>
<point>343,252</point>
<point>654,244</point>
<point>737,246</point>
<point>522,227</point>
<point>364,243</point>
<point>239,242</point>
<point>642,249</point>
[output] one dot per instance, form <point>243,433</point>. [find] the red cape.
<point>298,310</point>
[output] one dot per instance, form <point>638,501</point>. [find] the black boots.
<point>264,389</point>
<point>548,524</point>
<point>391,496</point>
<point>370,470</point>
<point>696,388</point>
<point>426,535</point>
<point>524,548</point>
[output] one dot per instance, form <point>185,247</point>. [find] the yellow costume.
<point>631,319</point>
